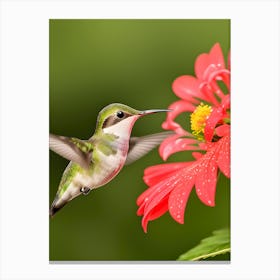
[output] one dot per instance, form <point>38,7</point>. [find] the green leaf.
<point>216,244</point>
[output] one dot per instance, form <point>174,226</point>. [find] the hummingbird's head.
<point>119,119</point>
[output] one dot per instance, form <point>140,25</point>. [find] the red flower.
<point>170,184</point>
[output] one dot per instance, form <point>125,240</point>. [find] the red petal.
<point>177,108</point>
<point>162,168</point>
<point>145,221</point>
<point>224,155</point>
<point>225,104</point>
<point>211,123</point>
<point>225,76</point>
<point>206,178</point>
<point>175,144</point>
<point>159,210</point>
<point>156,192</point>
<point>219,75</point>
<point>144,196</point>
<point>187,88</point>
<point>205,64</point>
<point>223,130</point>
<point>156,197</point>
<point>140,210</point>
<point>216,56</point>
<point>197,155</point>
<point>201,64</point>
<point>208,94</point>
<point>179,197</point>
<point>159,192</point>
<point>157,173</point>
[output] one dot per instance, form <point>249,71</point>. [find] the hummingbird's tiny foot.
<point>85,190</point>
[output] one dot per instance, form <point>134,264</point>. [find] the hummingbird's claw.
<point>85,190</point>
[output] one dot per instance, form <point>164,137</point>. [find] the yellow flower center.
<point>198,120</point>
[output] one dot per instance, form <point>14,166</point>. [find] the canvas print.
<point>139,140</point>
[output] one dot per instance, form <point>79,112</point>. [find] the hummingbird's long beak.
<point>148,112</point>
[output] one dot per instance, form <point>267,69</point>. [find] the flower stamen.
<point>198,120</point>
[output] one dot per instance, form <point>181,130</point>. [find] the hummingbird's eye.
<point>120,114</point>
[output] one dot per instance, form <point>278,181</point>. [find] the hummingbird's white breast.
<point>108,166</point>
<point>111,165</point>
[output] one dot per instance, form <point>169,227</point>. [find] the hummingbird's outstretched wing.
<point>73,149</point>
<point>140,146</point>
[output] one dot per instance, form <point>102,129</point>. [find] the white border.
<point>24,136</point>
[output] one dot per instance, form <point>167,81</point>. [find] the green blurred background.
<point>97,62</point>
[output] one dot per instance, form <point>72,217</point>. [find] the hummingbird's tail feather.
<point>57,205</point>
<point>53,210</point>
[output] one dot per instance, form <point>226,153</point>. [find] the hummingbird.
<point>96,161</point>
